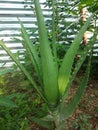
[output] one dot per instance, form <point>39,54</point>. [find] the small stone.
<point>91,85</point>
<point>92,95</point>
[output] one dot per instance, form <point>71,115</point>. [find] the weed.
<point>82,122</point>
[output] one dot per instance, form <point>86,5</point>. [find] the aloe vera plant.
<point>54,81</point>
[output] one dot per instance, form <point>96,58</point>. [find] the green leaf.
<point>92,5</point>
<point>30,48</point>
<point>66,66</point>
<point>88,2</point>
<point>43,123</point>
<point>67,111</point>
<point>14,95</point>
<point>4,101</point>
<point>5,71</point>
<point>49,68</point>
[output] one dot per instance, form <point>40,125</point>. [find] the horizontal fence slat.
<point>21,9</point>
<point>16,22</point>
<point>22,15</point>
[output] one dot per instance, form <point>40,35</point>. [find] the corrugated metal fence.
<point>10,29</point>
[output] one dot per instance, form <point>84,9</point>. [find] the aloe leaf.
<point>5,71</point>
<point>31,50</point>
<point>67,111</point>
<point>48,118</point>
<point>49,68</point>
<point>21,68</point>
<point>14,95</point>
<point>66,66</point>
<point>6,102</point>
<point>53,30</point>
<point>43,123</point>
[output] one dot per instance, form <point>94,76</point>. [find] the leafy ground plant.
<point>18,117</point>
<point>82,122</point>
<point>54,79</point>
<point>5,101</point>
